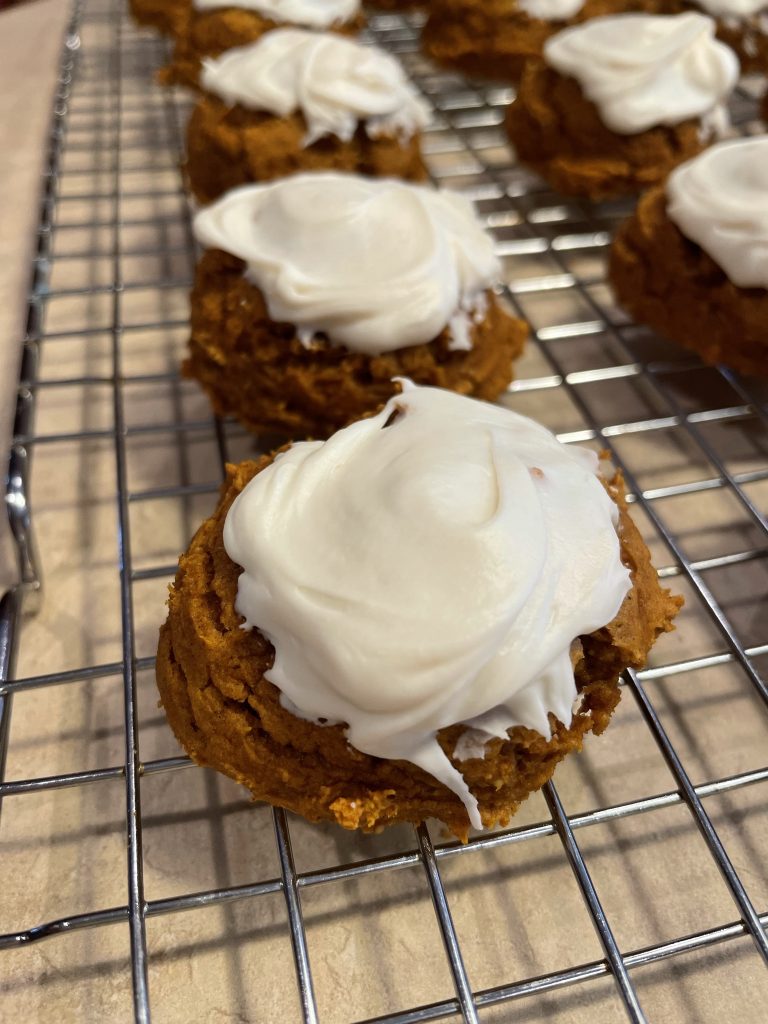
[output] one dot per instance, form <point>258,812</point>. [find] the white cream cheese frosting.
<point>310,13</point>
<point>643,70</point>
<point>551,10</point>
<point>738,9</point>
<point>720,201</point>
<point>373,263</point>
<point>333,81</point>
<point>427,566</point>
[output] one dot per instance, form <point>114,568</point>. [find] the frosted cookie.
<point>495,38</point>
<point>693,260</point>
<point>743,25</point>
<point>217,25</point>
<point>298,101</point>
<point>618,102</point>
<point>419,617</point>
<point>317,290</point>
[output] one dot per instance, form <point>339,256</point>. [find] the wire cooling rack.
<point>635,888</point>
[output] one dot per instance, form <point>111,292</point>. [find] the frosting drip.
<point>428,566</point>
<point>739,9</point>
<point>334,82</point>
<point>641,70</point>
<point>551,10</point>
<point>311,13</point>
<point>720,201</point>
<point>374,264</point>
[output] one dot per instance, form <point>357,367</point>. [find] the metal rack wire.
<point>554,253</point>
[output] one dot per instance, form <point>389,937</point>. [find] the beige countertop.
<point>374,945</point>
<point>30,42</point>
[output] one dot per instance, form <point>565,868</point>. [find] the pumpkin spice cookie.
<point>317,290</point>
<point>692,262</point>
<point>618,102</point>
<point>417,618</point>
<point>302,101</point>
<point>214,26</point>
<point>496,38</point>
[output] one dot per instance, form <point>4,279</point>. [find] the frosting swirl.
<point>720,201</point>
<point>739,9</point>
<point>311,13</point>
<point>334,82</point>
<point>427,566</point>
<point>551,10</point>
<point>641,70</point>
<point>375,264</point>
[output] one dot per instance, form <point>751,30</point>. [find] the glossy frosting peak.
<point>333,81</point>
<point>720,201</point>
<point>428,566</point>
<point>551,10</point>
<point>311,13</point>
<point>375,264</point>
<point>641,70</point>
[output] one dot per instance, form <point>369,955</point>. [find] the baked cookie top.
<point>372,264</point>
<point>334,82</point>
<point>428,566</point>
<point>720,201</point>
<point>643,70</point>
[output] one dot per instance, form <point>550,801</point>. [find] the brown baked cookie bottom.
<point>167,16</point>
<point>210,33</point>
<point>558,133</point>
<point>749,43</point>
<point>494,39</point>
<point>668,282</point>
<point>227,716</point>
<point>231,146</point>
<point>489,40</point>
<point>259,372</point>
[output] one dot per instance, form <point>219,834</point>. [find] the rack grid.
<point>114,258</point>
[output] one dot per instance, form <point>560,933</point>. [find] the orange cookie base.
<point>231,146</point>
<point>488,39</point>
<point>226,715</point>
<point>668,282</point>
<point>558,133</point>
<point>495,39</point>
<point>259,372</point>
